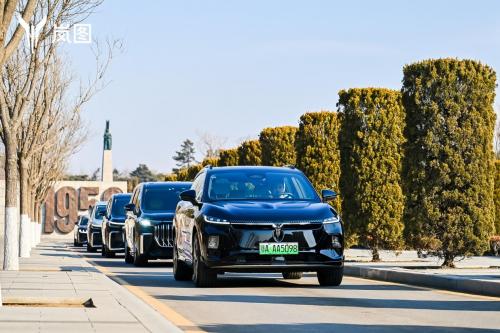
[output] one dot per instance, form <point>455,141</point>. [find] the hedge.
<point>249,153</point>
<point>278,145</point>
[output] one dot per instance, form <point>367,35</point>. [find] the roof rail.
<point>208,166</point>
<point>291,166</point>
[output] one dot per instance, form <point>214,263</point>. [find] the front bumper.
<point>157,243</point>
<point>114,237</point>
<point>239,247</point>
<point>95,237</point>
<point>81,236</point>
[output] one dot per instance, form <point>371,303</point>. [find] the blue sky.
<point>231,68</point>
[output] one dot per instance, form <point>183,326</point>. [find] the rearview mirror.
<point>328,195</point>
<point>189,195</point>
<point>129,207</point>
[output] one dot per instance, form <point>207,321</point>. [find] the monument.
<point>107,160</point>
<point>69,199</point>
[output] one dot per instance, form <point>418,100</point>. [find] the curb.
<point>457,284</point>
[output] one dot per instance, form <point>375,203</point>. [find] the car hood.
<point>96,223</point>
<point>273,211</point>
<point>159,216</point>
<point>120,219</point>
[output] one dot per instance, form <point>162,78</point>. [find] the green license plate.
<point>278,248</point>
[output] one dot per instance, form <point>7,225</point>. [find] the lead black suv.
<point>148,226</point>
<point>113,222</point>
<point>80,235</point>
<point>256,219</point>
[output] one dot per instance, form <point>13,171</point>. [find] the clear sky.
<point>231,68</point>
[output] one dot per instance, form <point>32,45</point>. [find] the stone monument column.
<point>107,161</point>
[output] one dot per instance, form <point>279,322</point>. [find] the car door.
<point>187,214</point>
<point>131,218</point>
<point>105,222</point>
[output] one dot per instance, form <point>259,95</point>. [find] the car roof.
<point>101,203</point>
<point>116,195</point>
<point>163,184</point>
<point>287,169</point>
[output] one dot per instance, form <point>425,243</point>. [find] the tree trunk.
<point>448,260</point>
<point>375,255</point>
<point>25,233</point>
<point>32,217</point>
<point>11,245</point>
<point>38,218</point>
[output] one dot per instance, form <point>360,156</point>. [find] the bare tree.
<point>210,144</point>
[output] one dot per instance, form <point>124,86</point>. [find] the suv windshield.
<point>259,185</point>
<point>99,209</point>
<point>118,207</point>
<point>84,220</point>
<point>162,198</point>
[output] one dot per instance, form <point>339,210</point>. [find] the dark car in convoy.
<point>113,221</point>
<point>148,226</point>
<point>94,238</point>
<point>256,219</point>
<point>80,234</point>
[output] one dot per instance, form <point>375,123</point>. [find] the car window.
<point>84,220</point>
<point>198,186</point>
<point>118,206</point>
<point>162,198</point>
<point>259,185</point>
<point>97,210</point>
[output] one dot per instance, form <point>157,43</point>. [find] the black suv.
<point>94,238</point>
<point>113,222</point>
<point>148,226</point>
<point>80,236</point>
<point>256,219</point>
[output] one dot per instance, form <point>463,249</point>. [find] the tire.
<point>90,249</point>
<point>202,275</point>
<point>182,272</point>
<point>103,250</point>
<point>292,275</point>
<point>106,252</point>
<point>330,277</point>
<point>128,257</point>
<point>75,243</point>
<point>139,259</point>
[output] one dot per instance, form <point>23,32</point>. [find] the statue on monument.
<point>107,137</point>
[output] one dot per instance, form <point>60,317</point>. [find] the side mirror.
<point>189,195</point>
<point>129,207</point>
<point>328,195</point>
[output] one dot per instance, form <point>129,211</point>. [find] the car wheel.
<point>139,259</point>
<point>292,275</point>
<point>75,243</point>
<point>202,275</point>
<point>103,250</point>
<point>182,272</point>
<point>109,254</point>
<point>128,257</point>
<point>90,248</point>
<point>330,277</point>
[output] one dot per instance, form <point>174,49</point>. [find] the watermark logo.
<point>32,30</point>
<point>82,33</point>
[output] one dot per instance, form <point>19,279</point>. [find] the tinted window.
<point>84,221</point>
<point>118,207</point>
<point>97,210</point>
<point>259,185</point>
<point>161,198</point>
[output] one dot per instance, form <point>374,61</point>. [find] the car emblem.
<point>278,234</point>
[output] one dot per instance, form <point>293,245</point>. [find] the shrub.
<point>228,157</point>
<point>249,153</point>
<point>278,145</point>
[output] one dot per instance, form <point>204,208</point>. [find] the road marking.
<point>166,311</point>
<point>440,291</point>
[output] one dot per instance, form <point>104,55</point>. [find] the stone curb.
<point>458,284</point>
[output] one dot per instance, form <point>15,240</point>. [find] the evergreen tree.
<point>497,197</point>
<point>278,145</point>
<point>185,156</point>
<point>143,174</point>
<point>449,165</point>
<point>228,157</point>
<point>249,153</point>
<point>371,147</point>
<point>317,149</point>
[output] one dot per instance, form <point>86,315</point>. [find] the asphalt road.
<point>267,303</point>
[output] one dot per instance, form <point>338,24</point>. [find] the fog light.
<point>213,242</point>
<point>336,242</point>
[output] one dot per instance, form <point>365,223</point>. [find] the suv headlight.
<point>215,220</point>
<point>331,220</point>
<point>145,222</point>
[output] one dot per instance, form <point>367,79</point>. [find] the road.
<point>267,303</point>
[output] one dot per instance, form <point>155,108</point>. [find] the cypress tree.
<point>318,154</point>
<point>371,154</point>
<point>449,165</point>
<point>497,197</point>
<point>228,157</point>
<point>249,153</point>
<point>278,145</point>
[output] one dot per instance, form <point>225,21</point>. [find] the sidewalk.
<point>55,275</point>
<point>475,275</point>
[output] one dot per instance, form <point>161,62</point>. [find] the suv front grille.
<point>164,234</point>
